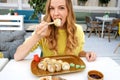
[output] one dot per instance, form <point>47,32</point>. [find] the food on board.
<point>53,65</point>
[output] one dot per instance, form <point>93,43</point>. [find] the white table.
<point>11,22</point>
<point>21,70</point>
<point>3,62</point>
<point>104,19</point>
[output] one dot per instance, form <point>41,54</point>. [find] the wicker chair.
<point>92,25</point>
<point>112,28</point>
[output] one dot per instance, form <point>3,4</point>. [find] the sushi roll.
<point>42,65</point>
<point>65,66</point>
<point>46,60</point>
<point>72,65</point>
<point>51,67</point>
<point>82,66</point>
<point>53,60</point>
<point>60,61</point>
<point>51,78</point>
<point>57,22</point>
<point>58,66</point>
<point>77,66</point>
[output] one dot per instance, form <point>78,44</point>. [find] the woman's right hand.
<point>41,30</point>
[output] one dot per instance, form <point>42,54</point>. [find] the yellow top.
<point>1,55</point>
<point>62,43</point>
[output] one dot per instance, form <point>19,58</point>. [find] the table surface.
<point>105,19</point>
<point>21,70</point>
<point>3,62</point>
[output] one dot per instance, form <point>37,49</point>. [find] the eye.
<point>51,8</point>
<point>61,7</point>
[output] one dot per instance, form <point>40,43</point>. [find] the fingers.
<point>91,56</point>
<point>41,29</point>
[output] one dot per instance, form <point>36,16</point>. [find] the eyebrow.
<point>58,6</point>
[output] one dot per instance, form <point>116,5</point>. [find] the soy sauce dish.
<point>95,75</point>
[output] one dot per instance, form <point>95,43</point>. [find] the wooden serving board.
<point>67,58</point>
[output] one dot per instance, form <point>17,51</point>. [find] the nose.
<point>56,12</point>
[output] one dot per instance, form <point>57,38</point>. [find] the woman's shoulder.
<point>79,27</point>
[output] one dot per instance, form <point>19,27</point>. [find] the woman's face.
<point>58,10</point>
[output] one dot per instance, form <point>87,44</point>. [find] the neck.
<point>61,27</point>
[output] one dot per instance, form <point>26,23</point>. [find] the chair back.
<point>115,22</point>
<point>88,20</point>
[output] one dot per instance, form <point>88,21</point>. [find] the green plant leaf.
<point>38,6</point>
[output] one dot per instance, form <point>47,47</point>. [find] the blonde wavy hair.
<point>70,29</point>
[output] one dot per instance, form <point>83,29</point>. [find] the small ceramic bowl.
<point>95,75</point>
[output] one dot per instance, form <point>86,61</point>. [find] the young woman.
<point>65,39</point>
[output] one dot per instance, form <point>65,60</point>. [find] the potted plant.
<point>38,6</point>
<point>104,2</point>
<point>81,2</point>
<point>11,11</point>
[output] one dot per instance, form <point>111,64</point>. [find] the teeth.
<point>57,22</point>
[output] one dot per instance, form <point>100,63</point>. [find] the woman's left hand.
<point>91,56</point>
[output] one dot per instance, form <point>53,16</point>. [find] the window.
<point>96,6</point>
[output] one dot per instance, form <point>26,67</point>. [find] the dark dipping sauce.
<point>95,76</point>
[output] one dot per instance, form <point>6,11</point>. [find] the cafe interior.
<point>100,21</point>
